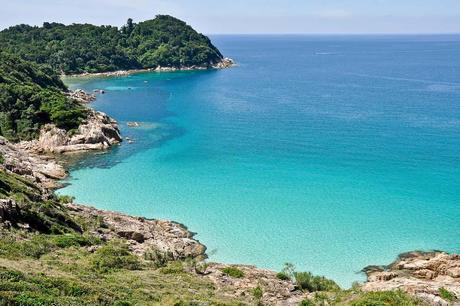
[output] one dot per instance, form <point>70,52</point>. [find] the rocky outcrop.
<point>144,235</point>
<point>81,96</point>
<point>420,274</point>
<point>99,132</point>
<point>40,169</point>
<point>9,211</point>
<point>275,292</point>
<point>222,64</point>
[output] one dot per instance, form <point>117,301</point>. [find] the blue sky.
<point>250,16</point>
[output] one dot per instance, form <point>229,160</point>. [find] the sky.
<point>250,16</point>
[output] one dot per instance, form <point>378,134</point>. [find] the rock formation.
<point>275,292</point>
<point>420,274</point>
<point>40,169</point>
<point>144,235</point>
<point>81,96</point>
<point>97,133</point>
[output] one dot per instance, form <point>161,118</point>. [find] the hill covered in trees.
<point>32,95</point>
<point>163,41</point>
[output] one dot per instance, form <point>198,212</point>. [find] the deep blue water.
<point>329,152</point>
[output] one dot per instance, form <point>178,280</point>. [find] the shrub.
<point>307,281</point>
<point>233,272</point>
<point>306,302</point>
<point>36,247</point>
<point>114,256</point>
<point>282,276</point>
<point>385,298</point>
<point>447,295</point>
<point>157,257</point>
<point>258,293</point>
<point>65,199</point>
<point>174,267</point>
<point>69,240</point>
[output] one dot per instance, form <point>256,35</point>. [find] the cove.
<point>329,152</point>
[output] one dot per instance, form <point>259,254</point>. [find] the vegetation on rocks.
<point>233,272</point>
<point>163,41</point>
<point>447,295</point>
<point>385,298</point>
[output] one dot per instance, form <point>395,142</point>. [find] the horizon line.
<point>339,34</point>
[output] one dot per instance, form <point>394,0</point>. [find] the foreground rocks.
<point>420,274</point>
<point>99,132</point>
<point>40,169</point>
<point>275,292</point>
<point>143,235</point>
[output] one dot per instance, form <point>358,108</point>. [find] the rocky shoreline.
<point>224,63</point>
<point>421,274</point>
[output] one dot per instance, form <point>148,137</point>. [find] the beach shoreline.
<point>223,64</point>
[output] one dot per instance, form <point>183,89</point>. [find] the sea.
<point>328,152</point>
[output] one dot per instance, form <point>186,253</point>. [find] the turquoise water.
<point>331,153</point>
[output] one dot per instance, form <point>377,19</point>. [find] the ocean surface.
<point>328,152</point>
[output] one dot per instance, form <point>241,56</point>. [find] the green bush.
<point>312,283</point>
<point>77,240</point>
<point>447,295</point>
<point>174,267</point>
<point>158,258</point>
<point>233,272</point>
<point>306,302</point>
<point>65,199</point>
<point>385,298</point>
<point>114,256</point>
<point>282,276</point>
<point>258,293</point>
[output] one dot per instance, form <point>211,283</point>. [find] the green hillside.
<point>164,41</point>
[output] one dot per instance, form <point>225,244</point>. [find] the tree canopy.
<point>32,95</point>
<point>163,41</point>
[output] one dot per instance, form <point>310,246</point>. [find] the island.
<point>56,252</point>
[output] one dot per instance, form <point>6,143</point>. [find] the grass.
<point>114,256</point>
<point>385,298</point>
<point>72,275</point>
<point>233,272</point>
<point>447,295</point>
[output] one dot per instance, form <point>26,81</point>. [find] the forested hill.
<point>32,95</point>
<point>164,41</point>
